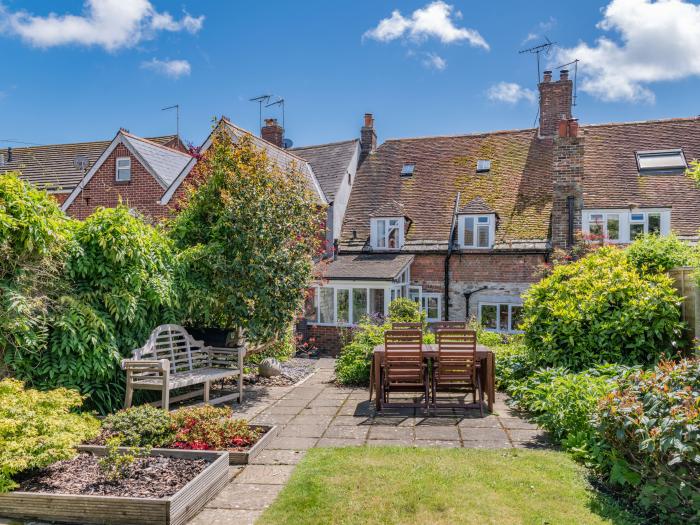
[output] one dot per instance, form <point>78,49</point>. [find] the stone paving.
<point>316,413</point>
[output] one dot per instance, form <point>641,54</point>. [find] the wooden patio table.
<point>484,356</point>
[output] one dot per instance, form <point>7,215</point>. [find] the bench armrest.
<point>146,365</point>
<point>221,357</point>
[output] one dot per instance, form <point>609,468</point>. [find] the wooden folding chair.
<point>406,326</point>
<point>403,369</point>
<point>456,366</point>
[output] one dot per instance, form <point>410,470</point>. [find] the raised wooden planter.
<point>174,510</point>
<point>243,458</point>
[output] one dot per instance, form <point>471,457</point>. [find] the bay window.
<point>387,233</point>
<point>623,226</point>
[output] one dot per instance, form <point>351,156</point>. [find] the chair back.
<point>456,355</point>
<point>449,325</point>
<point>407,326</point>
<point>403,356</point>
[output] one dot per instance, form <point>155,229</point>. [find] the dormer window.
<point>661,162</point>
<point>123,169</point>
<point>407,170</point>
<point>483,166</point>
<point>387,233</point>
<point>477,231</point>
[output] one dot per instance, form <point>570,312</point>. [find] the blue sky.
<point>422,67</point>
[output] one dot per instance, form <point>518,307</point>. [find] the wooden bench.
<point>173,359</point>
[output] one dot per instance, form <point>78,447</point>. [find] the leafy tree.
<point>247,232</point>
<point>694,171</point>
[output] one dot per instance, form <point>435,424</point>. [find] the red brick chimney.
<point>272,132</point>
<point>368,137</point>
<point>555,102</point>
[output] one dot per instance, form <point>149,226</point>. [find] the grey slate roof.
<point>372,267</point>
<point>51,167</point>
<point>166,163</point>
<point>330,163</point>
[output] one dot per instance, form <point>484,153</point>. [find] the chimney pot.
<point>564,74</point>
<point>272,132</point>
<point>547,76</point>
<point>369,120</point>
<point>368,137</point>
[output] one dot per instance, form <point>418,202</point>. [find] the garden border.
<point>173,510</point>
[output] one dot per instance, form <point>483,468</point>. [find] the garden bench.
<point>173,359</point>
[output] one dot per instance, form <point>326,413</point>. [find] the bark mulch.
<point>150,477</point>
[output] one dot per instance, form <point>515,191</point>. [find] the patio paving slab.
<point>245,496</point>
<point>272,419</point>
<point>320,411</point>
<point>287,443</point>
<point>437,433</point>
<point>350,421</point>
<point>225,517</point>
<point>483,434</point>
<point>347,432</point>
<point>340,442</point>
<point>265,474</point>
<point>390,443</point>
<point>284,410</point>
<point>279,457</point>
<point>303,431</point>
<point>382,432</point>
<point>504,443</point>
<point>310,419</point>
<point>436,443</point>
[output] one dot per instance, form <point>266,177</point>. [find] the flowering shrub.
<point>601,310</point>
<point>211,428</point>
<point>38,428</point>
<point>650,439</point>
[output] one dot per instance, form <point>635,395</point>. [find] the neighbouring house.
<point>461,224</point>
<point>59,168</point>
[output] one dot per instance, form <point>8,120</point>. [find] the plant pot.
<point>177,509</point>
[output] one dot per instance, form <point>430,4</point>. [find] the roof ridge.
<point>325,144</point>
<point>166,148</point>
<point>460,135</point>
<point>650,121</point>
<point>88,143</point>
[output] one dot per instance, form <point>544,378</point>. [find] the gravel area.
<point>293,371</point>
<point>151,477</point>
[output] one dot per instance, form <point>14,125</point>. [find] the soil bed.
<point>150,477</point>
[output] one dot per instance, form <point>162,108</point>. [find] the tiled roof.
<point>390,208</point>
<point>518,187</point>
<point>611,179</point>
<point>330,163</point>
<point>476,205</point>
<point>51,166</point>
<point>285,159</point>
<point>166,163</point>
<point>367,266</point>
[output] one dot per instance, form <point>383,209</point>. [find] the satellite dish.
<point>287,143</point>
<point>81,162</point>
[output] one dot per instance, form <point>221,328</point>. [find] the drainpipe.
<point>570,213</point>
<point>468,295</point>
<point>447,259</point>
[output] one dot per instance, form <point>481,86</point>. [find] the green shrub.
<point>282,348</point>
<point>141,426</point>
<point>656,254</point>
<point>513,363</point>
<point>404,310</point>
<point>38,428</point>
<point>601,310</point>
<point>649,429</point>
<point>117,464</point>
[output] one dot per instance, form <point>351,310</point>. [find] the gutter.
<point>447,259</point>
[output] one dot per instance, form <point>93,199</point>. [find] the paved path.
<point>316,413</point>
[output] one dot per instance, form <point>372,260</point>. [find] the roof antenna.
<point>176,107</point>
<point>262,99</point>
<point>575,63</point>
<point>278,102</point>
<point>545,48</point>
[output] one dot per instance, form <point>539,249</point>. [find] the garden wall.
<point>684,280</point>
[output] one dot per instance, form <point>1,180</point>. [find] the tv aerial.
<point>542,49</point>
<point>278,102</point>
<point>176,107</point>
<point>262,99</point>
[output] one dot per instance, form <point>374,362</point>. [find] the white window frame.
<point>625,217</point>
<point>424,299</point>
<point>498,306</point>
<point>119,168</point>
<point>366,285</point>
<point>488,219</point>
<point>375,236</point>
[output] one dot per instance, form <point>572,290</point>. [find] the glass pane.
<point>503,317</point>
<point>359,304</point>
<point>483,220</point>
<point>637,217</point>
<point>613,227</point>
<point>432,308</point>
<point>488,316</point>
<point>381,234</point>
<point>376,301</point>
<point>654,223</point>
<point>326,305</point>
<point>596,225</point>
<point>469,231</point>
<point>636,230</point>
<point>393,237</point>
<point>516,317</point>
<point>343,298</point>
<point>311,306</point>
<point>414,294</point>
<point>483,233</point>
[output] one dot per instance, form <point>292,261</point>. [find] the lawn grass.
<point>392,485</point>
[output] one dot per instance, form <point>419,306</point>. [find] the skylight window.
<point>407,170</point>
<point>670,161</point>
<point>482,166</point>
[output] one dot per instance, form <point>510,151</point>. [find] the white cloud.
<point>510,93</point>
<point>435,20</point>
<point>170,68</point>
<point>542,27</point>
<point>111,24</point>
<point>434,61</point>
<point>658,41</point>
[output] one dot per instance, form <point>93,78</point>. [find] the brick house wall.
<point>142,192</point>
<point>568,188</point>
